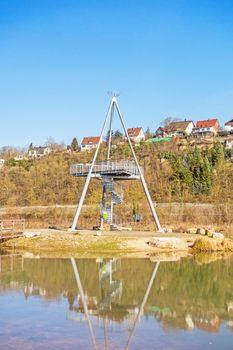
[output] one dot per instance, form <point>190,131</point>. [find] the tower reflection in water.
<point>115,299</point>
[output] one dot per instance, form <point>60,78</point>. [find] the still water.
<point>48,303</point>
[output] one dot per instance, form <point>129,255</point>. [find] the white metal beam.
<point>155,216</point>
<point>140,312</point>
<point>80,288</point>
<point>85,188</point>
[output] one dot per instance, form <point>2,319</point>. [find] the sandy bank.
<point>114,243</point>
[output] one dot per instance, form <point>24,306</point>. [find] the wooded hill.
<point>175,172</point>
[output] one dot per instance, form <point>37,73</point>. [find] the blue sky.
<point>60,57</point>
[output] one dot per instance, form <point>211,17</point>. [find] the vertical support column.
<point>103,206</point>
<point>156,219</point>
<point>112,205</point>
<point>83,195</point>
<point>110,134</point>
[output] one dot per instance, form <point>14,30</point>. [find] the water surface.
<point>49,303</point>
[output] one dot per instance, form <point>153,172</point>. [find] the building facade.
<point>176,129</point>
<point>229,126</point>
<point>38,152</point>
<point>136,134</point>
<point>89,143</point>
<point>208,127</point>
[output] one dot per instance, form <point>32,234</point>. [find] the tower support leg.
<point>85,188</point>
<point>155,216</point>
<point>103,207</point>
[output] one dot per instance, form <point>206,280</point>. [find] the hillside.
<point>176,171</point>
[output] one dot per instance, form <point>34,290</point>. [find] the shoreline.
<point>112,243</point>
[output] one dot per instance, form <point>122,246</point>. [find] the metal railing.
<point>118,190</point>
<point>11,228</point>
<point>127,166</point>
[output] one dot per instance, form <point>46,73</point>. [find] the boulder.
<point>168,243</point>
<point>218,235</point>
<point>202,231</point>
<point>98,233</point>
<point>167,230</point>
<point>209,233</point>
<point>192,231</point>
<point>31,234</point>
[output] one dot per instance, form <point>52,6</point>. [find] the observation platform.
<point>118,170</point>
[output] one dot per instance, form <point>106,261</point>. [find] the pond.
<point>49,303</point>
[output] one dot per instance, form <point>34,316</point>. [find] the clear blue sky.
<point>58,59</point>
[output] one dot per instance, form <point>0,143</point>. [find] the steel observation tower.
<point>110,173</point>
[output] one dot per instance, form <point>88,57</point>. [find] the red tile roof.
<point>134,132</point>
<point>207,123</point>
<point>92,140</point>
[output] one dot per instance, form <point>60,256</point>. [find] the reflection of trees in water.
<point>185,294</point>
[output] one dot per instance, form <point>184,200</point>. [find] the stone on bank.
<point>169,243</point>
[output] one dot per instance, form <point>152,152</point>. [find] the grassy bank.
<point>65,243</point>
<point>117,244</point>
<point>177,216</point>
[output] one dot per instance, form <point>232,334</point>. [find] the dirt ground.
<point>85,242</point>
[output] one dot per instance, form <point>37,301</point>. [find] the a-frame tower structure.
<point>108,172</point>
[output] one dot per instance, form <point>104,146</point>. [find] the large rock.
<point>169,243</point>
<point>218,235</point>
<point>31,234</point>
<point>210,233</point>
<point>192,231</point>
<point>201,231</point>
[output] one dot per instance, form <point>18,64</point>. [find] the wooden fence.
<point>11,228</point>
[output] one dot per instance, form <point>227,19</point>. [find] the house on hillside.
<point>89,143</point>
<point>175,129</point>
<point>20,157</point>
<point>229,126</point>
<point>38,152</point>
<point>160,133</point>
<point>136,134</point>
<point>208,127</point>
<point>2,162</point>
<point>229,142</point>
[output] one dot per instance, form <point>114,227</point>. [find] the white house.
<point>136,134</point>
<point>20,157</point>
<point>229,126</point>
<point>2,162</point>
<point>208,127</point>
<point>176,129</point>
<point>229,142</point>
<point>89,143</point>
<point>38,152</point>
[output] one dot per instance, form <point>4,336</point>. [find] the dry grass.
<point>205,244</point>
<point>179,217</point>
